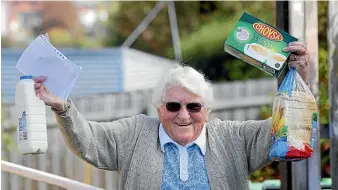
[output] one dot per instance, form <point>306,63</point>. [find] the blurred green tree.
<point>203,28</point>
<point>323,66</point>
<point>323,69</point>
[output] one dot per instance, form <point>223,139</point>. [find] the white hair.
<point>187,77</point>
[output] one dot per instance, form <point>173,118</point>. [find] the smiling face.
<point>182,126</point>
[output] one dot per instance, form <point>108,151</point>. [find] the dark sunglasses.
<point>176,106</point>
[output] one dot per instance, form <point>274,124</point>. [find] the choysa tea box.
<point>259,44</point>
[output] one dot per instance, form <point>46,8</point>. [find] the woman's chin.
<point>185,139</point>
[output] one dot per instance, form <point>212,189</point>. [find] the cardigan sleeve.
<point>101,144</point>
<point>256,137</point>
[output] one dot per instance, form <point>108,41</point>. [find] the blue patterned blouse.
<point>184,167</point>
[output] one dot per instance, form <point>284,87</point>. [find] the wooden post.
<point>333,89</point>
<point>303,25</point>
<point>311,38</point>
<point>302,17</point>
<point>282,22</point>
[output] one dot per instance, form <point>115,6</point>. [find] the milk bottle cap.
<point>26,77</point>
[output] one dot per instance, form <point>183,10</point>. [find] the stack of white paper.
<point>42,59</point>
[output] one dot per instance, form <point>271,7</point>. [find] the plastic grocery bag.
<point>294,120</point>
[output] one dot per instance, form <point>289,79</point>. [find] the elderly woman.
<point>180,150</point>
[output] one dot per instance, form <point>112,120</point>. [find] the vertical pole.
<point>311,38</point>
<point>302,17</point>
<point>297,28</point>
<point>175,36</point>
<point>333,89</point>
<point>282,22</point>
<point>282,16</point>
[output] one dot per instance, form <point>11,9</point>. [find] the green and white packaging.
<point>259,44</point>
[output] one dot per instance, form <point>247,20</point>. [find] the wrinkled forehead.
<point>180,94</point>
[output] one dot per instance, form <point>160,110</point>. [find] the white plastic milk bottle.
<point>31,114</point>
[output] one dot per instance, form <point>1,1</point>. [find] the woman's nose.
<point>183,113</point>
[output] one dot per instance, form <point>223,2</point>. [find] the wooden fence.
<point>234,101</point>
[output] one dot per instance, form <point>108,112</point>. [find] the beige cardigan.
<point>131,146</point>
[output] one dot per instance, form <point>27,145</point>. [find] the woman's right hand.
<point>47,97</point>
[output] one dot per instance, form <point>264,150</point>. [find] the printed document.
<point>41,58</point>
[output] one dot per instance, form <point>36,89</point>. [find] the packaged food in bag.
<point>294,120</point>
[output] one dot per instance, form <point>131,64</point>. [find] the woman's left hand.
<point>299,58</point>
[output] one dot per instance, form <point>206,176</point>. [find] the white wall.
<point>143,70</point>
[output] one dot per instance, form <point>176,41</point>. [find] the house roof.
<point>102,69</point>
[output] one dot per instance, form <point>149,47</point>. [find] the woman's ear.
<point>158,110</point>
<point>207,111</point>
